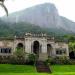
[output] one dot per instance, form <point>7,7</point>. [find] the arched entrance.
<point>20,45</point>
<point>49,49</point>
<point>72,55</point>
<point>36,47</point>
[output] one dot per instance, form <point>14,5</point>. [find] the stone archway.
<point>49,49</point>
<point>36,46</point>
<point>20,47</point>
<point>72,55</point>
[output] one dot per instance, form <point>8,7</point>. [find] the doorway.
<point>36,47</point>
<point>72,55</point>
<point>49,49</point>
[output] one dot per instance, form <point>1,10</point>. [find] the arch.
<point>20,45</point>
<point>49,49</point>
<point>72,55</point>
<point>36,47</point>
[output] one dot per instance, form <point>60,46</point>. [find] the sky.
<point>65,8</point>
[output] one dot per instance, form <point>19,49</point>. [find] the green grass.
<point>9,69</point>
<point>63,68</point>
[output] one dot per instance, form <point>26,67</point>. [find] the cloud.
<point>65,7</point>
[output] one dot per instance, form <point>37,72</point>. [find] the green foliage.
<point>17,60</point>
<point>71,38</point>
<point>72,46</point>
<point>32,59</point>
<point>18,57</point>
<point>71,42</point>
<point>20,28</point>
<point>59,60</point>
<point>19,52</point>
<point>4,59</point>
<point>49,60</point>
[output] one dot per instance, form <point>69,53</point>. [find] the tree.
<point>20,53</point>
<point>3,6</point>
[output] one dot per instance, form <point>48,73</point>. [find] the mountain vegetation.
<point>19,29</point>
<point>43,18</point>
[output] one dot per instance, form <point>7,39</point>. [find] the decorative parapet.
<point>35,35</point>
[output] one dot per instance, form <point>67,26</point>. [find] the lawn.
<point>63,69</point>
<point>9,69</point>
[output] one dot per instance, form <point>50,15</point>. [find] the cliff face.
<point>43,15</point>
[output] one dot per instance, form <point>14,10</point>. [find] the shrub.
<point>31,59</point>
<point>61,60</point>
<point>49,61</point>
<point>72,61</point>
<point>4,59</point>
<point>18,57</point>
<point>58,60</point>
<point>15,60</point>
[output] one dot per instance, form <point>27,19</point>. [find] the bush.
<point>31,59</point>
<point>72,61</point>
<point>18,57</point>
<point>4,59</point>
<point>49,61</point>
<point>15,60</point>
<point>58,60</point>
<point>61,60</point>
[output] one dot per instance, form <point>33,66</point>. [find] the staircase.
<point>42,67</point>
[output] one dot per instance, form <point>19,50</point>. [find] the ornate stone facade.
<point>40,44</point>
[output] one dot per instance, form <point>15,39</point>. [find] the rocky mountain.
<point>43,15</point>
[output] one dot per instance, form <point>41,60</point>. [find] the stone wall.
<point>28,42</point>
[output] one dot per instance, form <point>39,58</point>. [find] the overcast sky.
<point>65,8</point>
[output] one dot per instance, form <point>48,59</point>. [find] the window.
<point>60,51</point>
<point>9,50</point>
<point>5,50</point>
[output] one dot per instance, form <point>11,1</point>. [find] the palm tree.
<point>3,6</point>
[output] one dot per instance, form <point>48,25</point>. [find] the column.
<point>28,46</point>
<point>67,50</point>
<point>53,50</point>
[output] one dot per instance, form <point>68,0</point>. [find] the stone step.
<point>42,67</point>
